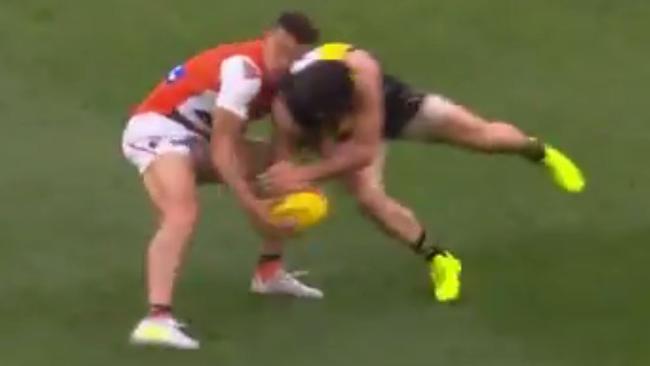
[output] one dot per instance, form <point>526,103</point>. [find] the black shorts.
<point>401,104</point>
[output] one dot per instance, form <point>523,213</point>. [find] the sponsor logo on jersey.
<point>176,73</point>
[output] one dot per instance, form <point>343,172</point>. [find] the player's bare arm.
<point>285,136</point>
<point>239,86</point>
<point>285,146</point>
<point>226,141</point>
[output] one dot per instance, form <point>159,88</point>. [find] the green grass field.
<point>550,279</point>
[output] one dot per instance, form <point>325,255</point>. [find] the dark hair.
<point>299,26</point>
<point>319,96</point>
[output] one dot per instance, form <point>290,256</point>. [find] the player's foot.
<point>284,283</point>
<point>445,274</point>
<point>163,331</point>
<point>565,172</point>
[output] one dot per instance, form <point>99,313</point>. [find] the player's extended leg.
<point>440,120</point>
<point>171,184</point>
<point>399,221</point>
<point>270,277</point>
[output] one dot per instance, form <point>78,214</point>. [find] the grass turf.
<point>550,279</point>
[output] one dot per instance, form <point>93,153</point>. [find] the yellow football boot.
<point>445,275</point>
<point>565,172</point>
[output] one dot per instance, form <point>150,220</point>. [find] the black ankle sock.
<point>159,309</point>
<point>534,150</point>
<point>425,249</point>
<point>269,258</point>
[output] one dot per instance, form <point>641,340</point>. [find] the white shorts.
<point>150,135</point>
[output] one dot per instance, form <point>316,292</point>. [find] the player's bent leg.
<point>171,183</point>
<point>400,222</point>
<point>392,217</point>
<point>270,276</point>
<point>166,154</point>
<point>367,187</point>
<point>440,120</point>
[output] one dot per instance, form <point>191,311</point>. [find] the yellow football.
<point>307,208</point>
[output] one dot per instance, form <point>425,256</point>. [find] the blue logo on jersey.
<point>176,73</point>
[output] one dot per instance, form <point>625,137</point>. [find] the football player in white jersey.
<point>190,130</point>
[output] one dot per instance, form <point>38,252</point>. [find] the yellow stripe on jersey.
<point>334,51</point>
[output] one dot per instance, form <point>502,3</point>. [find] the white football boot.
<point>164,332</point>
<point>284,283</point>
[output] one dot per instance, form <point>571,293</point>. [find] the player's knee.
<point>464,128</point>
<point>181,219</point>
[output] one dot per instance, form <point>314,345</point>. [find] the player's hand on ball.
<point>306,208</point>
<point>260,214</point>
<point>282,178</point>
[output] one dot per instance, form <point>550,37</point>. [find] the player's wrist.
<point>328,168</point>
<point>248,201</point>
<point>314,172</point>
<point>244,195</point>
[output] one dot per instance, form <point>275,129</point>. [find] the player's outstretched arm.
<point>283,176</point>
<point>238,88</point>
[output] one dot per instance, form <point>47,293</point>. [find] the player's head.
<point>319,96</point>
<point>292,35</point>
